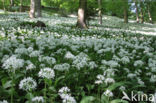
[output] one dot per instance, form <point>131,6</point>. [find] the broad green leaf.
<point>87,99</point>
<point>115,85</point>
<point>7,84</point>
<point>118,101</point>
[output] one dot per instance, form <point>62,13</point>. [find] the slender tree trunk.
<point>100,11</point>
<point>3,1</point>
<point>38,8</point>
<point>142,11</point>
<point>125,16</point>
<point>81,20</point>
<point>142,16</point>
<point>125,11</point>
<point>137,15</point>
<point>32,9</point>
<point>149,14</point>
<point>21,5</point>
<point>11,3</point>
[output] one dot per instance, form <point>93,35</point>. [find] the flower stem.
<point>45,90</point>
<point>12,79</point>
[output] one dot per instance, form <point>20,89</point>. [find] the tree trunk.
<point>38,8</point>
<point>142,16</point>
<point>81,20</point>
<point>11,3</point>
<point>137,15</point>
<point>125,11</point>
<point>32,9</point>
<point>149,14</point>
<point>3,1</point>
<point>125,16</point>
<point>100,11</point>
<point>142,11</point>
<point>21,5</point>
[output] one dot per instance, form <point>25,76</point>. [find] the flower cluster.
<point>64,93</point>
<point>28,84</point>
<point>47,73</point>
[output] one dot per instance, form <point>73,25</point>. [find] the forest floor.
<point>62,62</point>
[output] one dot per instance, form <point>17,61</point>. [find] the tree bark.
<point>137,15</point>
<point>149,14</point>
<point>142,16</point>
<point>11,3</point>
<point>100,11</point>
<point>3,1</point>
<point>32,9</point>
<point>21,5</point>
<point>38,8</point>
<point>81,20</point>
<point>142,11</point>
<point>125,11</point>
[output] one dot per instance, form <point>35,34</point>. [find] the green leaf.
<point>115,85</point>
<point>87,99</point>
<point>29,96</point>
<point>104,99</point>
<point>57,80</point>
<point>118,101</point>
<point>7,84</point>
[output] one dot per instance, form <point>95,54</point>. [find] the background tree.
<point>136,7</point>
<point>142,11</point>
<point>21,5</point>
<point>149,10</point>
<point>100,11</point>
<point>125,7</point>
<point>38,8</point>
<point>11,3</point>
<point>81,20</point>
<point>32,9</point>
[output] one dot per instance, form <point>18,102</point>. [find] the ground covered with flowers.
<point>63,64</point>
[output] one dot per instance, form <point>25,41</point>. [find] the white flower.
<point>108,93</point>
<point>131,75</point>
<point>28,84</point>
<point>38,99</point>
<point>69,99</point>
<point>140,82</point>
<point>64,90</point>
<point>35,54</point>
<point>109,80</point>
<point>62,67</point>
<point>153,79</point>
<point>46,73</point>
<point>69,55</point>
<point>4,101</point>
<point>125,60</point>
<point>138,63</point>
<point>48,60</point>
<point>64,93</point>
<point>122,88</point>
<point>21,51</point>
<point>30,65</point>
<point>100,78</point>
<point>13,63</point>
<point>92,65</point>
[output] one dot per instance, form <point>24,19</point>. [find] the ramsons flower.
<point>12,63</point>
<point>4,101</point>
<point>64,93</point>
<point>28,84</point>
<point>108,93</point>
<point>38,99</point>
<point>46,73</point>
